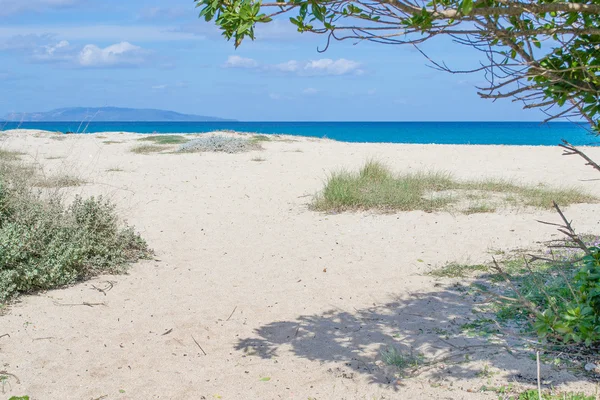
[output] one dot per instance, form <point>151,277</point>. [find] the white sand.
<point>270,289</point>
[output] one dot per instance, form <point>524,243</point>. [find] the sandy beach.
<point>252,295</point>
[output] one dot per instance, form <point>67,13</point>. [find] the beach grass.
<point>148,149</point>
<point>376,187</point>
<point>165,139</point>
<point>9,155</point>
<point>59,181</point>
<point>261,138</point>
<point>458,270</point>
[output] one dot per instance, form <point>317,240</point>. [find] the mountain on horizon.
<point>107,114</point>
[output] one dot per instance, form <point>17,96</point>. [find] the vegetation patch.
<point>376,187</point>
<point>59,181</point>
<point>45,243</point>
<point>259,159</point>
<point>165,139</point>
<point>8,155</point>
<point>148,149</point>
<point>457,270</point>
<point>261,138</point>
<point>111,141</point>
<point>554,296</point>
<point>221,144</point>
<point>401,360</point>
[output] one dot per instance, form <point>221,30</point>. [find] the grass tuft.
<point>456,270</point>
<point>147,149</point>
<point>394,357</point>
<point>260,138</point>
<point>165,139</point>
<point>59,181</point>
<point>9,155</point>
<point>374,186</point>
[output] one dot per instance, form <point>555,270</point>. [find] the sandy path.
<point>314,296</point>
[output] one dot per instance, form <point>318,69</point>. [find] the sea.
<point>497,133</point>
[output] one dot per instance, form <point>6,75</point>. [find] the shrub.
<point>572,313</point>
<point>558,298</point>
<point>45,244</point>
<point>224,144</point>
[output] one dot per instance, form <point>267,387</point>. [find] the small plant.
<point>111,141</point>
<point>394,357</point>
<point>259,159</point>
<point>115,170</point>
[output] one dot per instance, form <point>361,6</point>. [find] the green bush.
<point>575,315</point>
<point>45,244</point>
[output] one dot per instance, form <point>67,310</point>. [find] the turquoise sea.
<point>508,133</point>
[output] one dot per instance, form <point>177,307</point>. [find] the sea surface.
<point>508,133</point>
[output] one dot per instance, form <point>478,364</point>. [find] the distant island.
<point>106,114</point>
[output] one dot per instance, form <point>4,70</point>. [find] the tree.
<point>543,53</point>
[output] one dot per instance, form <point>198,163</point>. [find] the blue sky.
<point>158,54</point>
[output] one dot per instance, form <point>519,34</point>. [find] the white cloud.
<point>159,87</point>
<point>310,91</point>
<point>327,66</point>
<point>47,49</point>
<point>120,54</point>
<point>240,62</point>
<point>324,66</point>
<point>8,7</point>
<point>289,66</point>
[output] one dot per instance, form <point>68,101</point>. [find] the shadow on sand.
<point>440,325</point>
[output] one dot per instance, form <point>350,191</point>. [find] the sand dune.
<point>254,296</point>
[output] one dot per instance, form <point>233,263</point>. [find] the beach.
<point>253,295</point>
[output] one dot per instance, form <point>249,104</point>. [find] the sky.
<point>158,54</point>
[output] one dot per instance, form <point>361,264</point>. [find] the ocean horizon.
<point>477,133</point>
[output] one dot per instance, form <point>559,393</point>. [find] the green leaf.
<point>467,6</point>
<point>265,379</point>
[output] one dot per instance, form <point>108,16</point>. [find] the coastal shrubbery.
<point>222,144</point>
<point>45,243</point>
<point>375,186</point>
